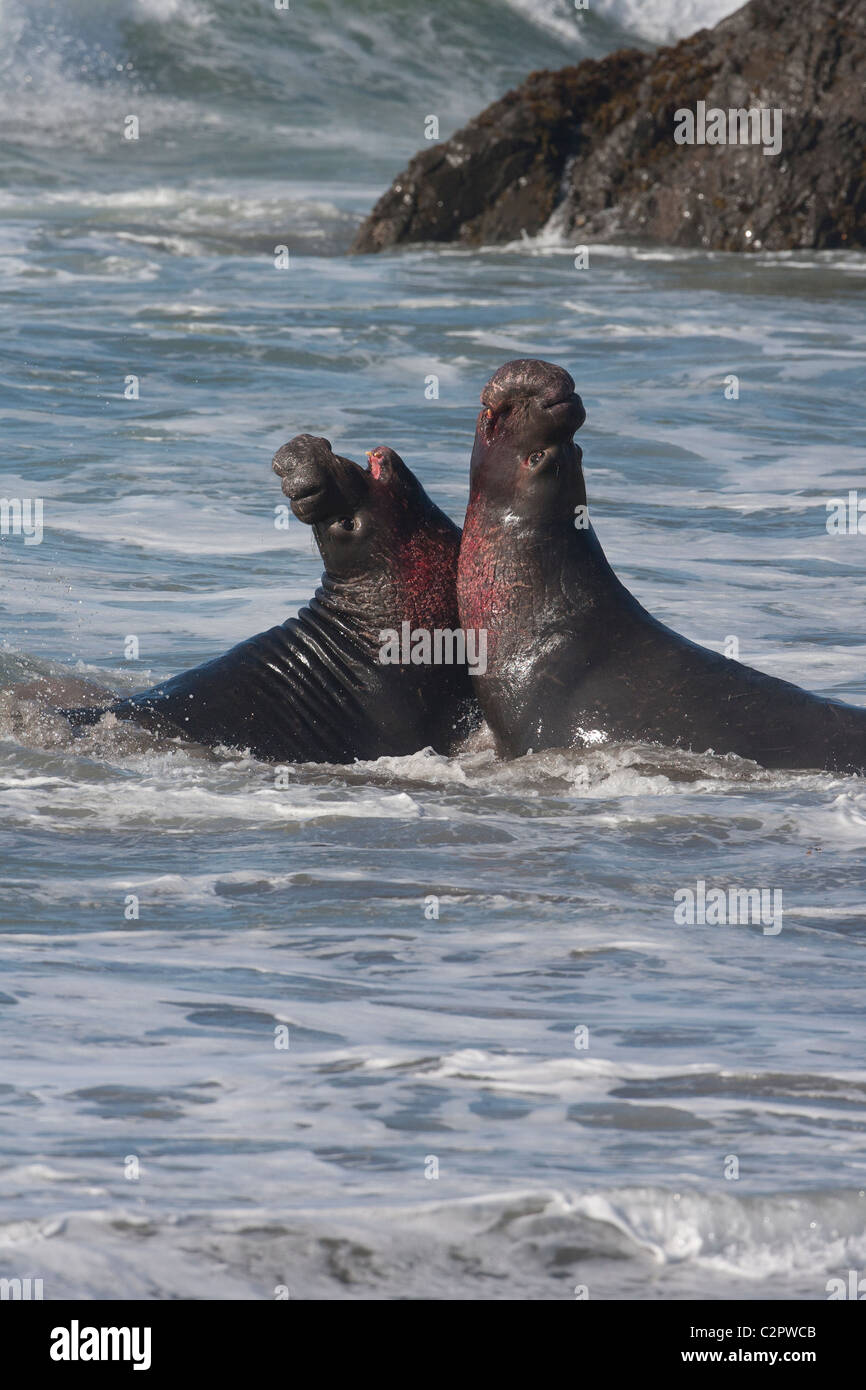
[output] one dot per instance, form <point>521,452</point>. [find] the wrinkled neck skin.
<point>356,605</point>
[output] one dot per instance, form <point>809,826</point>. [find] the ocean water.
<point>436,1127</point>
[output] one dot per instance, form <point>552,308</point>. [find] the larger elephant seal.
<point>572,657</point>
<point>331,685</point>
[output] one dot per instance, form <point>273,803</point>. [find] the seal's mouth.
<point>377,460</point>
<point>307,503</point>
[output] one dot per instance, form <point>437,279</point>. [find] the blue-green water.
<point>141,1090</point>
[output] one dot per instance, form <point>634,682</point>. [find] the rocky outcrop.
<point>595,146</point>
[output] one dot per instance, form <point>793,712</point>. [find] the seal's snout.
<point>305,454</point>
<point>304,465</point>
<point>529,390</point>
<point>318,482</point>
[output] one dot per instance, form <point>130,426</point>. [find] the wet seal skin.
<point>572,657</point>
<point>314,689</point>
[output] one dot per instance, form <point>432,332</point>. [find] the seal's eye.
<point>536,458</point>
<point>347,523</point>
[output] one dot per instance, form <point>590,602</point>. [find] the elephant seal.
<point>572,657</point>
<point>316,688</point>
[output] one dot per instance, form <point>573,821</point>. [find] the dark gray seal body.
<point>571,655</point>
<point>314,688</point>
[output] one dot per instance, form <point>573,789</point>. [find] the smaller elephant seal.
<point>331,685</point>
<point>572,657</point>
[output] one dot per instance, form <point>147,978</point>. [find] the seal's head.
<point>526,482</point>
<point>524,459</point>
<point>378,532</point>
